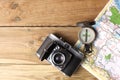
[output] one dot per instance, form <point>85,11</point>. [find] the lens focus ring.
<point>58,58</point>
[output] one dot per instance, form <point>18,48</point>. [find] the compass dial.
<point>87,35</point>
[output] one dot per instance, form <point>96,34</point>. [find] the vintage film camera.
<point>60,54</point>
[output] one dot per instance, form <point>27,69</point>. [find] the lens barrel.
<point>58,58</point>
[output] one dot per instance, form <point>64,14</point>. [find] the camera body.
<point>60,54</point>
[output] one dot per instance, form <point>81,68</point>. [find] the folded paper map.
<point>104,62</point>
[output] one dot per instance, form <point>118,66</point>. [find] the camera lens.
<point>58,58</point>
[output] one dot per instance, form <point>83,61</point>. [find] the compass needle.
<point>86,36</point>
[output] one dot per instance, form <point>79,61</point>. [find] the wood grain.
<point>18,45</point>
<point>39,72</point>
<point>48,12</point>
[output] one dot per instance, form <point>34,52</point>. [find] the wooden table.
<point>24,24</point>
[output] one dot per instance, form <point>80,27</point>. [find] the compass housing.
<point>87,35</point>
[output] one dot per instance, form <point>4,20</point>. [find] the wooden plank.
<point>39,72</point>
<point>18,45</point>
<point>48,12</point>
<point>18,60</point>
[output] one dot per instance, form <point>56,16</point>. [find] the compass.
<point>87,35</point>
